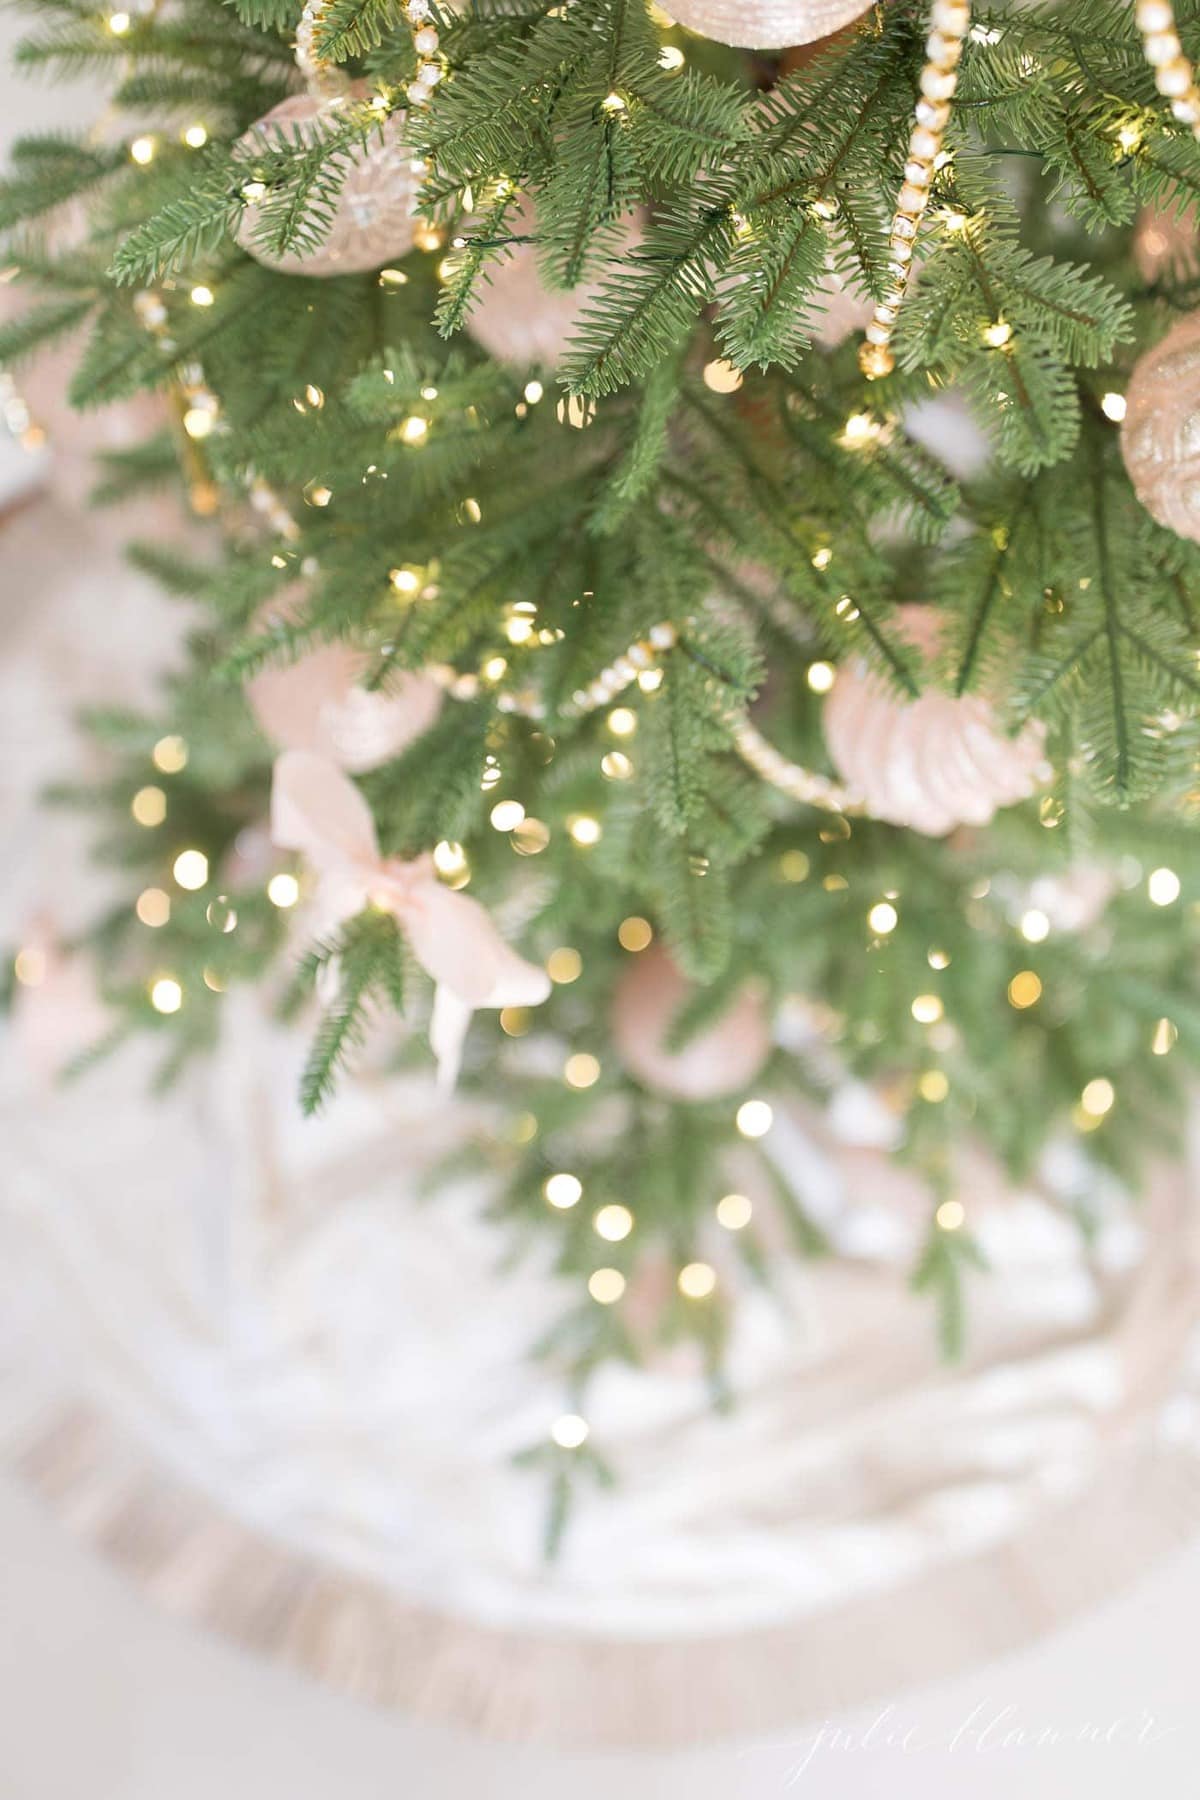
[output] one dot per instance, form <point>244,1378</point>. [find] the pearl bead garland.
<point>950,20</point>
<point>792,779</point>
<point>324,77</point>
<point>1174,76</point>
<point>619,674</point>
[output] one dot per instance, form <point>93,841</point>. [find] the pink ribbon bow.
<point>318,811</point>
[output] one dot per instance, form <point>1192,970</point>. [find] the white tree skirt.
<point>243,1357</point>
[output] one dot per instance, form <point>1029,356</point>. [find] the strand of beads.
<point>326,79</point>
<point>1174,76</point>
<point>950,20</point>
<point>613,680</point>
<point>791,778</point>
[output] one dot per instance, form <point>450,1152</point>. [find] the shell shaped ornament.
<point>1160,435</point>
<point>375,211</point>
<point>933,763</point>
<point>765,24</point>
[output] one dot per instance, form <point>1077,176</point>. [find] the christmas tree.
<point>658,706</point>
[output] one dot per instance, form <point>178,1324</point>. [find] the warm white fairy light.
<point>606,1286</point>
<point>1098,1097</point>
<point>613,1223</point>
<point>582,1070</point>
<point>927,1009</point>
<point>697,1280</point>
<point>564,965</point>
<point>283,890</point>
<point>170,754</point>
<point>191,869</point>
<point>951,1215</point>
<point>563,1190</point>
<point>149,806</point>
<point>883,918</point>
<point>754,1118</point>
<point>569,1431</point>
<point>734,1212</point>
<point>153,907</point>
<point>166,995</point>
<point>1164,887</point>
<point>635,934</point>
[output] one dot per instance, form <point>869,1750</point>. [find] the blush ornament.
<point>374,214</point>
<point>721,1059</point>
<point>765,24</point>
<point>1160,435</point>
<point>931,763</point>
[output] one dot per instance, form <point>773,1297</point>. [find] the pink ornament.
<point>765,24</point>
<point>1160,437</point>
<point>519,319</point>
<point>316,704</point>
<point>722,1059</point>
<point>1165,244</point>
<point>374,213</point>
<point>932,763</point>
<point>844,311</point>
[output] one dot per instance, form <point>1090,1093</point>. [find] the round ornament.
<point>721,1059</point>
<point>1160,436</point>
<point>374,214</point>
<point>765,24</point>
<point>519,319</point>
<point>933,763</point>
<point>1165,244</point>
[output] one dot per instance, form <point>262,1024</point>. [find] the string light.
<point>201,295</point>
<point>191,869</point>
<point>506,815</point>
<point>613,1223</point>
<point>170,754</point>
<point>584,830</point>
<point>606,1286</point>
<point>119,23</point>
<point>1164,887</point>
<point>1098,1097</point>
<point>927,1009</point>
<point>1166,1036</point>
<point>283,891</point>
<point>1112,405</point>
<point>634,933</point>
<point>564,966</point>
<point>754,1118</point>
<point>1035,926</point>
<point>563,1191</point>
<point>722,376</point>
<point>30,966</point>
<point>821,676</point>
<point>196,136</point>
<point>696,1280</point>
<point>950,1215</point>
<point>153,907</point>
<point>149,806</point>
<point>415,429</point>
<point>938,959</point>
<point>933,1085</point>
<point>734,1212</point>
<point>883,918</point>
<point>450,863</point>
<point>569,1431</point>
<point>166,995</point>
<point>622,722</point>
<point>1024,990</point>
<point>142,150</point>
<point>581,1070</point>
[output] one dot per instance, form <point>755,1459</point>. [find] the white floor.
<point>103,1698</point>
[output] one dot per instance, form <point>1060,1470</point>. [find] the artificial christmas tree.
<point>634,594</point>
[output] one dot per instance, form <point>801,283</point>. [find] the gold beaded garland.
<point>950,20</point>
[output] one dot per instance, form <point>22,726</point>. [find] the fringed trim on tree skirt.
<point>355,1636</point>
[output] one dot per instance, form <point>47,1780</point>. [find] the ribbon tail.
<point>448,1025</point>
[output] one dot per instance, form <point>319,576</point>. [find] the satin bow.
<point>317,810</point>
